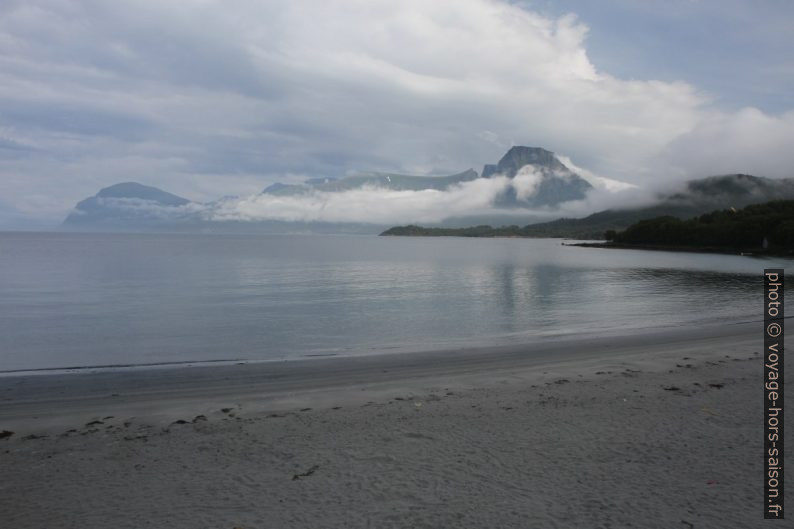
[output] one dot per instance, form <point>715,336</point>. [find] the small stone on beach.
<point>306,474</point>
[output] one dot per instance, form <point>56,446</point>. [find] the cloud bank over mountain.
<point>368,204</point>
<point>205,98</point>
<point>527,181</point>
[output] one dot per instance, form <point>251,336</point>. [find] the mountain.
<point>518,157</point>
<point>397,182</point>
<point>539,179</point>
<point>134,190</point>
<point>736,190</point>
<point>533,180</point>
<point>129,205</point>
<point>695,198</point>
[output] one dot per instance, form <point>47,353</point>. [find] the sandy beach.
<point>659,429</point>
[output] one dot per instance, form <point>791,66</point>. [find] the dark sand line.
<point>31,401</point>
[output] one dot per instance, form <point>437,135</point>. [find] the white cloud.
<point>598,182</point>
<point>205,98</point>
<point>526,181</point>
<point>748,141</point>
<point>366,205</point>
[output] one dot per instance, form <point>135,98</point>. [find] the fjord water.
<point>69,300</point>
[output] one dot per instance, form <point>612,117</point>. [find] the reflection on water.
<point>80,299</point>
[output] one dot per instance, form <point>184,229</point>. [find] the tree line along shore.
<point>766,228</point>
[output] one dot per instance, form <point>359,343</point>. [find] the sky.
<point>205,98</point>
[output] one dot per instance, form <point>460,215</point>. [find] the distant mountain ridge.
<point>743,189</point>
<point>697,198</point>
<point>536,178</point>
<point>550,183</point>
<point>397,182</point>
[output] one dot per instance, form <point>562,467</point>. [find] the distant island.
<point>759,228</point>
<point>474,231</point>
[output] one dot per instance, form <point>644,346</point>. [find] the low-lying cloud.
<point>369,204</point>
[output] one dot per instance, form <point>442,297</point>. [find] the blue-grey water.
<point>108,299</point>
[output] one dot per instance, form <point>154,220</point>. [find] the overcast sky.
<point>207,98</point>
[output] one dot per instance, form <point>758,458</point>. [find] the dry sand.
<point>655,430</point>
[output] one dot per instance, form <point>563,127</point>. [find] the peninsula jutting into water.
<point>761,229</point>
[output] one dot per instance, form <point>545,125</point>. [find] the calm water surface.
<point>100,299</point>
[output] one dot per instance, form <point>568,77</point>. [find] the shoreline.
<point>757,252</point>
<point>161,389</point>
<point>444,348</point>
<point>658,429</point>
